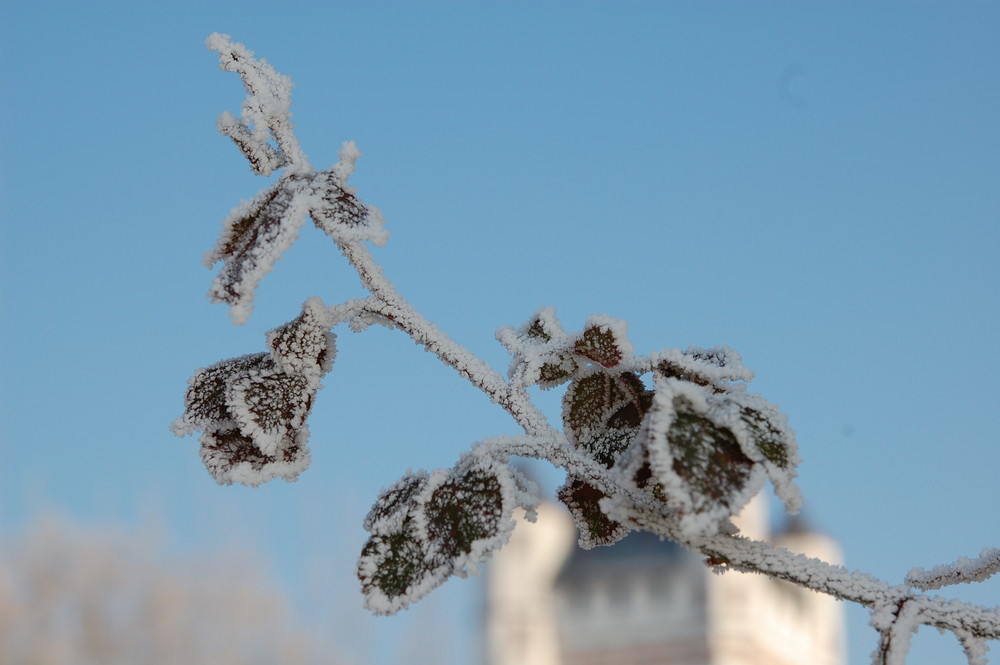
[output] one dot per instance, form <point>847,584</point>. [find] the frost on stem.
<point>670,442</point>
<point>258,231</point>
<point>896,623</point>
<point>962,570</point>
<point>266,111</point>
<point>697,444</point>
<point>252,409</point>
<point>544,355</point>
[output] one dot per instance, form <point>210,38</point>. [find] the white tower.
<point>647,602</point>
<point>520,613</point>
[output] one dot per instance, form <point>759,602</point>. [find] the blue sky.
<point>814,185</point>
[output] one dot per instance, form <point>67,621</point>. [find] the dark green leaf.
<point>395,504</point>
<point>771,440</point>
<point>448,520</point>
<point>708,459</point>
<point>594,527</point>
<point>391,567</point>
<point>463,511</point>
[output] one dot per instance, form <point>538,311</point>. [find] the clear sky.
<point>814,185</point>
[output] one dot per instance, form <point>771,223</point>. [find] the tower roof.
<point>639,551</point>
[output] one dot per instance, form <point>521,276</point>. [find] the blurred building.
<point>643,601</point>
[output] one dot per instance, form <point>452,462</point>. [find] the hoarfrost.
<point>963,570</point>
<point>429,526</point>
<point>266,110</point>
<point>252,409</point>
<point>717,367</point>
<point>257,232</point>
<point>253,238</point>
<point>677,459</point>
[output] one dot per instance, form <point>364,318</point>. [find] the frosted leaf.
<point>544,326</point>
<point>205,401</point>
<point>593,526</point>
<point>305,344</point>
<point>763,435</point>
<point>541,351</point>
<point>269,407</point>
<point>252,409</point>
<point>771,441</point>
<point>463,511</point>
<point>602,413</point>
<point>709,377</point>
<point>766,438</point>
<point>239,225</point>
<point>339,213</point>
<point>545,355</point>
<point>603,341</point>
<point>717,367</point>
<point>556,371</point>
<point>695,457</point>
<point>428,527</point>
<point>707,458</point>
<point>393,505</point>
<point>254,236</point>
<point>231,457</point>
<point>394,571</point>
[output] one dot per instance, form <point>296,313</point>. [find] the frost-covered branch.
<point>670,442</point>
<point>963,570</point>
<point>897,610</point>
<point>387,303</point>
<point>266,112</point>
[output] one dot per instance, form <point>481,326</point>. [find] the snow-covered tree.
<point>671,442</point>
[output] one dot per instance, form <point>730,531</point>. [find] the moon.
<point>784,87</point>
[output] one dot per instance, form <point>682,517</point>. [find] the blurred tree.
<point>70,596</point>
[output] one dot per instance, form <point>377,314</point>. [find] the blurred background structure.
<point>648,602</point>
<point>113,596</point>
